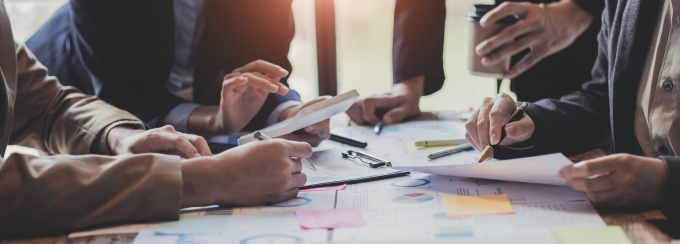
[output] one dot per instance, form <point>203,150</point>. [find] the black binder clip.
<point>365,158</point>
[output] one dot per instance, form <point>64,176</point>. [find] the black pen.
<point>378,128</point>
<point>516,115</point>
<point>348,140</point>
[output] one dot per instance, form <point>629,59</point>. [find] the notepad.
<point>308,116</point>
<point>330,218</point>
<point>477,205</point>
<point>587,235</point>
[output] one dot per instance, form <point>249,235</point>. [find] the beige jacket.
<point>56,194</point>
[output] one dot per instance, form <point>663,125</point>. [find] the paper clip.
<point>365,158</point>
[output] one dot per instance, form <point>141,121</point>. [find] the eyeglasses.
<point>365,158</point>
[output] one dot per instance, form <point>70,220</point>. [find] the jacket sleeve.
<point>54,195</point>
<point>577,122</point>
<point>54,118</point>
<point>418,42</point>
<point>51,195</point>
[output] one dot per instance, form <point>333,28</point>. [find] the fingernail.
<point>198,155</point>
<point>510,130</point>
<point>494,140</point>
<point>486,61</point>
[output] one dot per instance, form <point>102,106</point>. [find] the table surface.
<point>638,225</point>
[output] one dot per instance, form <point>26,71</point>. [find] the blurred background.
<point>364,49</point>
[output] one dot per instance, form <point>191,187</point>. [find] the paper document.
<point>329,218</point>
<point>588,235</point>
<point>308,116</point>
<point>457,206</point>
<point>539,169</point>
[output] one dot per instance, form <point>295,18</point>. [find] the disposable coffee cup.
<point>478,34</point>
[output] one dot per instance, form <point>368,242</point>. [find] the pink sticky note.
<point>326,188</point>
<point>329,218</point>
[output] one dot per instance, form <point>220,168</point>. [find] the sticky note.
<point>587,235</point>
<point>329,218</point>
<point>207,224</point>
<point>326,188</point>
<point>477,205</point>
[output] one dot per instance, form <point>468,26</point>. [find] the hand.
<point>244,91</point>
<point>257,173</point>
<point>398,105</point>
<point>543,28</point>
<point>486,123</point>
<point>313,134</point>
<point>123,140</point>
<point>621,180</point>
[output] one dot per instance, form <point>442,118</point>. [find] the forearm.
<point>53,195</point>
<point>203,121</point>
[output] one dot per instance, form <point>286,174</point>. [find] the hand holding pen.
<point>492,119</point>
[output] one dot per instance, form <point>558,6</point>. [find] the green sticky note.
<point>587,235</point>
<point>207,224</point>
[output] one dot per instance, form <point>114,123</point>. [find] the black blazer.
<point>129,46</point>
<point>419,44</point>
<point>602,113</point>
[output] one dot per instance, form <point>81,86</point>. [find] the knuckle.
<point>496,112</point>
<point>470,125</point>
<point>482,122</point>
<point>487,100</point>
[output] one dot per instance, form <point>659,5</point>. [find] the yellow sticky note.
<point>477,205</point>
<point>586,235</point>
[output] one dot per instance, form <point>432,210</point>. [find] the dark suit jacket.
<point>602,113</point>
<point>419,43</point>
<point>129,46</point>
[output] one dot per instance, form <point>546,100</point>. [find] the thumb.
<point>519,131</point>
<point>388,102</point>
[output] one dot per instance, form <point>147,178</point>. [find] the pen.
<point>378,128</point>
<point>348,140</point>
<point>488,150</point>
<point>457,149</point>
<point>437,143</point>
<point>262,137</point>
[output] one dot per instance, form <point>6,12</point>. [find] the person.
<point>166,61</point>
<point>561,36</point>
<point>72,189</point>
<point>629,109</point>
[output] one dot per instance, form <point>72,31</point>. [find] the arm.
<point>419,42</point>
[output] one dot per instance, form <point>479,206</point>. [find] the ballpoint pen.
<point>437,143</point>
<point>262,137</point>
<point>348,140</point>
<point>378,128</point>
<point>489,149</point>
<point>457,149</point>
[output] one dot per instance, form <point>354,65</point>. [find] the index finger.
<point>502,108</point>
<point>589,168</point>
<point>264,67</point>
<point>298,149</point>
<point>504,10</point>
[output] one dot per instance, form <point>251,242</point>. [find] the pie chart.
<point>410,183</point>
<point>412,198</point>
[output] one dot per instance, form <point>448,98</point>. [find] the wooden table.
<point>638,225</point>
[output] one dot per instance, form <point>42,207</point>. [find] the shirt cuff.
<point>274,116</point>
<point>179,116</point>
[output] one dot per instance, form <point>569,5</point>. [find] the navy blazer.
<point>602,113</point>
<point>419,44</point>
<point>129,46</point>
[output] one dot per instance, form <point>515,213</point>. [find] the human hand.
<point>400,104</point>
<point>244,91</point>
<point>123,140</point>
<point>620,180</point>
<point>313,134</point>
<point>543,28</point>
<point>257,173</point>
<point>485,124</point>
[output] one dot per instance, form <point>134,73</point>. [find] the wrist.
<point>288,112</point>
<point>116,136</point>
<point>196,182</point>
<point>206,121</point>
<point>573,11</point>
<point>412,87</point>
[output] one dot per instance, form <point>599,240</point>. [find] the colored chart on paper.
<point>287,239</point>
<point>443,216</point>
<point>454,231</point>
<point>297,201</point>
<point>410,183</point>
<point>412,198</point>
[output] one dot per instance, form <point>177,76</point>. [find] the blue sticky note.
<point>208,224</point>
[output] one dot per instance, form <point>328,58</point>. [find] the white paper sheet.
<point>539,169</point>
